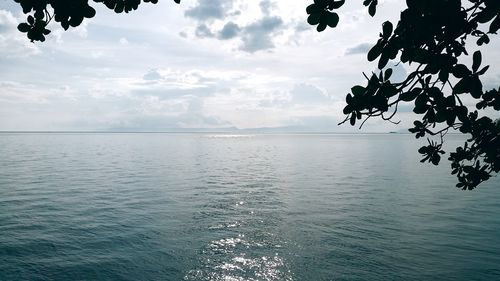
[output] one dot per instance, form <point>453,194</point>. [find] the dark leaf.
<point>460,71</point>
<point>444,75</point>
<point>411,95</point>
<point>313,8</point>
<point>313,19</point>
<point>353,119</point>
<point>483,71</point>
<point>463,86</point>
<point>372,9</point>
<point>375,51</point>
<point>483,40</point>
<point>321,26</point>
<point>387,29</point>
<point>358,90</point>
<point>388,73</point>
<point>337,4</point>
<point>495,25</point>
<point>476,60</point>
<point>333,20</point>
<point>23,27</point>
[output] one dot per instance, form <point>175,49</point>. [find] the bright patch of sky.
<point>204,64</point>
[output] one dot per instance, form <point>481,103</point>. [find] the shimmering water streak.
<point>238,207</point>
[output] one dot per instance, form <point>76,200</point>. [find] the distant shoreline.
<point>210,132</point>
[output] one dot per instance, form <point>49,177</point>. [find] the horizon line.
<point>193,132</point>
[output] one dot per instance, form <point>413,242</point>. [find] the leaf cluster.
<point>321,12</point>
<point>68,13</point>
<point>431,36</point>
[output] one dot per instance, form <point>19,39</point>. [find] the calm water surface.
<point>238,207</point>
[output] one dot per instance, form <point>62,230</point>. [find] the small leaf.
<point>312,9</point>
<point>486,15</point>
<point>89,12</point>
<point>313,19</point>
<point>444,75</point>
<point>358,90</point>
<point>75,21</point>
<point>495,25</point>
<point>411,95</point>
<point>375,52</point>
<point>321,26</point>
<point>338,4</point>
<point>24,27</point>
<point>353,119</point>
<point>462,86</point>
<point>483,40</point>
<point>384,59</point>
<point>333,20</point>
<point>420,104</point>
<point>387,29</point>
<point>435,159</point>
<point>483,71</point>
<point>347,109</point>
<point>476,60</point>
<point>372,9</point>
<point>460,71</point>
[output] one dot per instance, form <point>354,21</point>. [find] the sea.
<point>218,206</point>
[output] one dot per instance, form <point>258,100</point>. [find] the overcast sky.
<point>202,64</point>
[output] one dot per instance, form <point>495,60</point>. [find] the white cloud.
<point>123,41</point>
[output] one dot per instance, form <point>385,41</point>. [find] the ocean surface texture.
<point>239,207</point>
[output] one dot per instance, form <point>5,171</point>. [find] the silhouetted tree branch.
<point>432,34</point>
<point>67,13</point>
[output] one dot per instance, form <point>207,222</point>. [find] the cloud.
<point>266,6</point>
<point>308,94</point>
<point>165,93</point>
<point>301,95</point>
<point>152,74</point>
<point>256,33</point>
<point>259,35</point>
<point>229,31</point>
<point>209,9</point>
<point>7,22</point>
<point>359,49</point>
<point>203,31</point>
<point>123,41</point>
<point>322,123</point>
<point>166,84</point>
<point>179,79</point>
<point>301,26</point>
<point>156,115</point>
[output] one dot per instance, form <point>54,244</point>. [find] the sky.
<point>203,64</point>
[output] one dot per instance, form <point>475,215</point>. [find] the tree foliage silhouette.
<point>67,13</point>
<point>430,36</point>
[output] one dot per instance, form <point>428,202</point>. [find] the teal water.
<point>238,207</point>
